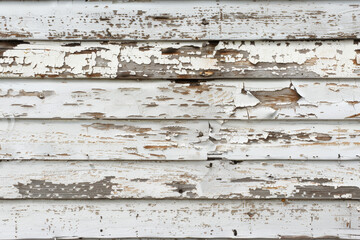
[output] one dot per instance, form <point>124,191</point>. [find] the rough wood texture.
<point>185,20</point>
<point>218,99</point>
<point>119,94</point>
<point>179,219</point>
<point>178,139</point>
<point>180,180</point>
<point>181,60</point>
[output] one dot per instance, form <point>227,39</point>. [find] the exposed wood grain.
<point>189,20</point>
<point>218,99</point>
<point>180,180</point>
<point>180,60</point>
<point>178,139</point>
<point>167,218</point>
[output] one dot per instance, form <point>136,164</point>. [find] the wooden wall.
<point>180,119</point>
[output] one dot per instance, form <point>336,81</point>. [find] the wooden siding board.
<point>303,180</point>
<point>159,99</point>
<point>118,93</point>
<point>180,60</point>
<point>187,20</point>
<point>180,219</point>
<point>178,139</point>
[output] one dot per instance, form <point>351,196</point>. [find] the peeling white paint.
<point>180,179</point>
<point>73,102</point>
<point>226,99</point>
<point>181,219</point>
<point>156,60</point>
<point>179,140</point>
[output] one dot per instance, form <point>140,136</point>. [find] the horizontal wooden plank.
<point>180,180</point>
<point>218,99</point>
<point>178,139</point>
<point>180,60</point>
<point>189,20</point>
<point>169,218</point>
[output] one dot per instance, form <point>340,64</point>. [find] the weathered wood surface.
<point>180,60</point>
<point>178,139</point>
<point>128,95</point>
<point>159,99</point>
<point>180,180</point>
<point>179,219</point>
<point>185,20</point>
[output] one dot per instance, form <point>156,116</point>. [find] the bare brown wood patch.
<point>44,189</point>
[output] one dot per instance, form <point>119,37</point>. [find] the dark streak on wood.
<point>10,44</point>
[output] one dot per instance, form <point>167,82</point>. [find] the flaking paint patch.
<point>285,97</point>
<point>44,189</point>
<point>259,193</point>
<point>336,192</point>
